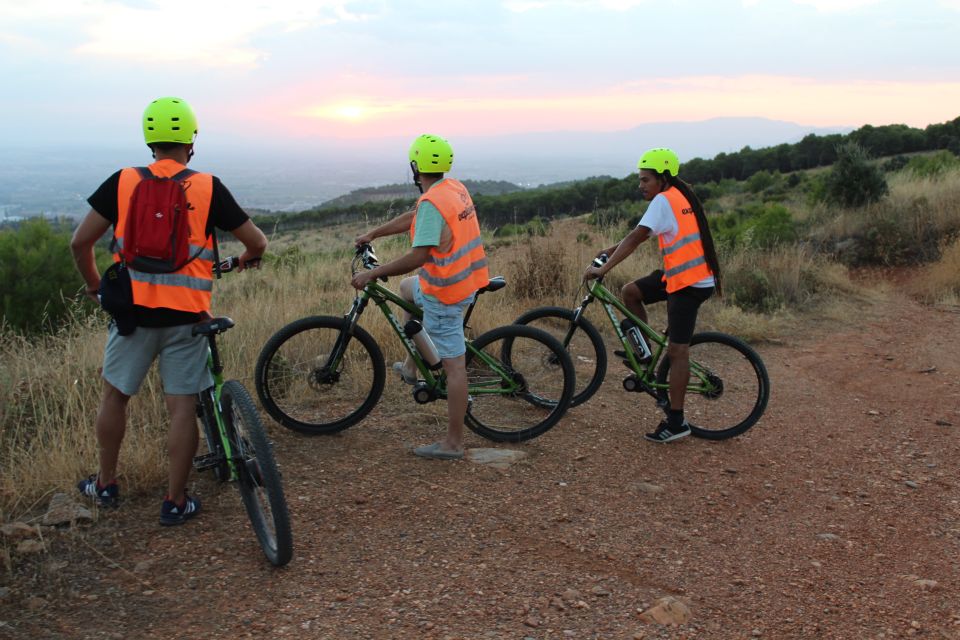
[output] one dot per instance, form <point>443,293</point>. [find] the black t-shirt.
<point>225,214</point>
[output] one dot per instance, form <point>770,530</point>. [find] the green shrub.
<point>773,226</point>
<point>616,216</point>
<point>854,181</point>
<point>896,163</point>
<point>761,180</point>
<point>537,226</point>
<point>752,290</point>
<point>509,230</point>
<point>932,166</point>
<point>38,277</point>
<point>755,226</point>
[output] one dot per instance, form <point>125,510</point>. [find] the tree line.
<point>592,194</point>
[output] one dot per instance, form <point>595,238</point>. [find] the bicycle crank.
<point>423,394</point>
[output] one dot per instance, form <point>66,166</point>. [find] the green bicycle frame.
<point>382,297</point>
<point>611,303</point>
<point>700,381</point>
<point>216,370</point>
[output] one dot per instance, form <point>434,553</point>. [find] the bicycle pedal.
<point>207,461</point>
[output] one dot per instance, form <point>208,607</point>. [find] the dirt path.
<point>836,517</point>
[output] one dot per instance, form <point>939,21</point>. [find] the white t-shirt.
<point>660,220</point>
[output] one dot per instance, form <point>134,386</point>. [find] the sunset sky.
<point>296,71</point>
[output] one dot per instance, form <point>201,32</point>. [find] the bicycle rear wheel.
<point>728,389</point>
<point>520,380</point>
<point>581,340</point>
<point>304,386</point>
<point>258,476</point>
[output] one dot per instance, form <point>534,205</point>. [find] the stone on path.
<point>64,510</point>
<point>668,611</point>
<point>496,458</point>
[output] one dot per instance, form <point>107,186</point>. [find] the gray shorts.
<point>183,359</point>
<point>443,322</point>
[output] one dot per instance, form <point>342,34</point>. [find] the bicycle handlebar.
<point>232,262</point>
<point>365,258</point>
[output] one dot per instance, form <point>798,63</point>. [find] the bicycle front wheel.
<point>581,340</point>
<point>520,381</point>
<point>258,476</point>
<point>728,389</point>
<point>315,376</point>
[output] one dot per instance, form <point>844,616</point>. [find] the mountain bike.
<point>322,374</point>
<point>238,449</point>
<point>729,386</point>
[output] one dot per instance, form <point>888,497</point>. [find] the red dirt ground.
<point>835,517</point>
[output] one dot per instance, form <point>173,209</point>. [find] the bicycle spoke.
<point>309,381</point>
<point>517,389</point>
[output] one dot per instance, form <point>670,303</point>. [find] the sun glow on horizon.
<point>804,100</point>
<point>351,111</point>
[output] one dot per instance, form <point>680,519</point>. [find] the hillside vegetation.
<point>708,176</point>
<point>787,243</point>
<point>409,191</point>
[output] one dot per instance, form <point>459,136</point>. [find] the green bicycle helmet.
<point>169,120</point>
<point>659,160</point>
<point>432,154</point>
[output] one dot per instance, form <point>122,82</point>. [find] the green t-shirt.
<point>429,226</point>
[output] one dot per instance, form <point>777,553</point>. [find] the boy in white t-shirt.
<point>691,271</point>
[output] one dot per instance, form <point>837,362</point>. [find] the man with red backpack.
<point>164,217</point>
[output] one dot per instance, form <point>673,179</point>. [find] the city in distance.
<point>50,180</point>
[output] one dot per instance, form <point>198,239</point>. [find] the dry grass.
<point>907,227</point>
<point>939,283</point>
<point>49,389</point>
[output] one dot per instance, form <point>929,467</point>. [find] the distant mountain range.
<point>52,182</point>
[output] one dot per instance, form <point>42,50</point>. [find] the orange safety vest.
<point>189,288</point>
<point>455,275</point>
<point>684,262</point>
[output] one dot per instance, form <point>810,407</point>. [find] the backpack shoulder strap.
<point>144,172</point>
<point>180,176</point>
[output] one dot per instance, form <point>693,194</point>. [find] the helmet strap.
<point>416,175</point>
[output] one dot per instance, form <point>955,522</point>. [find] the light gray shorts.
<point>443,322</point>
<point>183,359</point>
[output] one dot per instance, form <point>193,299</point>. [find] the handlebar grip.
<point>232,262</point>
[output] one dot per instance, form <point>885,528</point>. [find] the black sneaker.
<point>108,496</point>
<point>665,433</point>
<point>172,513</point>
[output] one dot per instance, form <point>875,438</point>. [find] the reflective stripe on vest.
<point>452,280</point>
<point>199,251</point>
<point>684,261</point>
<point>189,288</point>
<point>455,275</point>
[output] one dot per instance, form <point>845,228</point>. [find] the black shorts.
<point>682,305</point>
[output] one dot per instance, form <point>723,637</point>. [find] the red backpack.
<point>156,236</point>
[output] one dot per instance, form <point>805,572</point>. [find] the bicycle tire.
<point>730,393</point>
<point>589,357</point>
<point>211,434</point>
<point>297,390</point>
<point>527,353</point>
<point>258,478</point>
